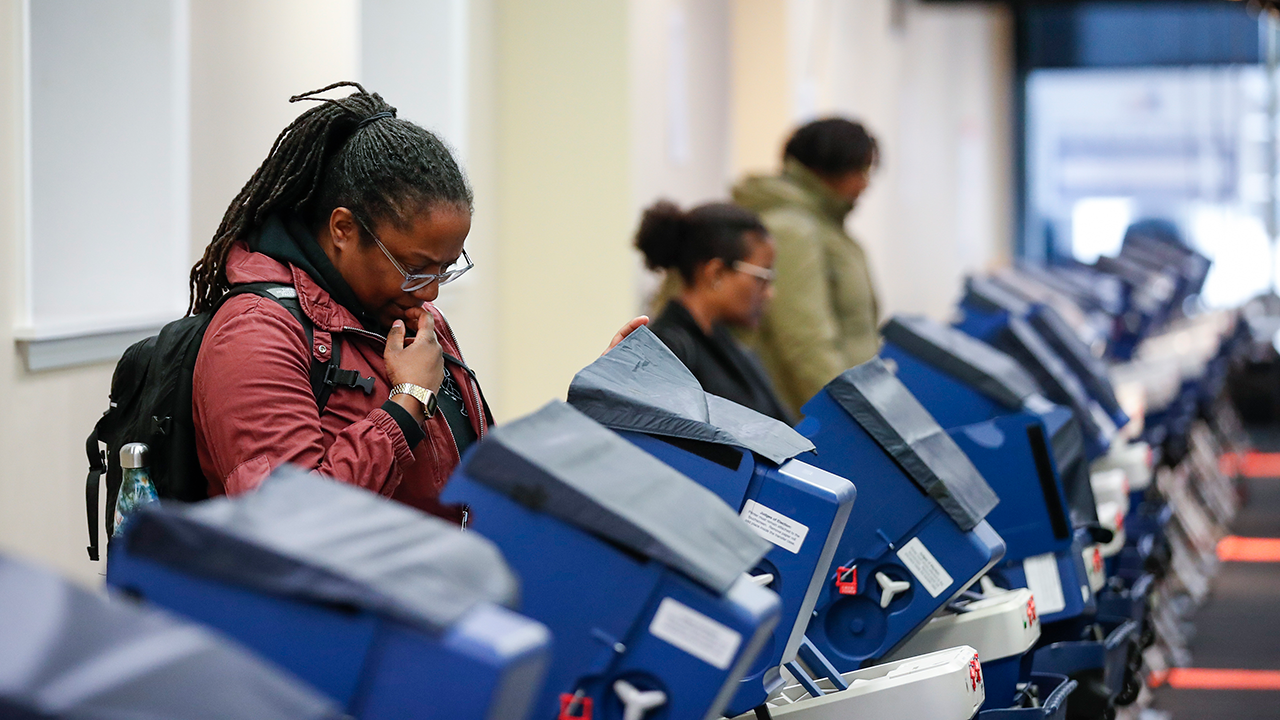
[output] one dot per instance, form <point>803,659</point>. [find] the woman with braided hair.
<point>364,216</point>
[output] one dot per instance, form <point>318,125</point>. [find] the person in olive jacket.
<point>824,315</point>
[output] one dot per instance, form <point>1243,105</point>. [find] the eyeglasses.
<point>764,275</point>
<point>416,281</point>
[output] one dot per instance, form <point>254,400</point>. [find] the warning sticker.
<point>695,633</point>
<point>925,567</point>
<point>1093,568</point>
<point>774,526</point>
<point>1045,583</point>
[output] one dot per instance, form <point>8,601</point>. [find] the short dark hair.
<point>672,238</point>
<point>351,152</point>
<point>833,146</point>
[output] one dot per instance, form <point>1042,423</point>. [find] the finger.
<point>413,315</point>
<point>395,338</point>
<point>626,330</point>
<point>427,327</point>
<point>634,325</point>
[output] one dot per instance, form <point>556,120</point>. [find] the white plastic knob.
<point>889,588</point>
<point>635,703</point>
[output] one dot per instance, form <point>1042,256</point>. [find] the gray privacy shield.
<point>70,653</point>
<point>307,537</point>
<point>1025,345</point>
<point>883,406</point>
<point>1091,370</point>
<point>562,463</point>
<point>641,386</point>
<point>986,294</point>
<point>972,361</point>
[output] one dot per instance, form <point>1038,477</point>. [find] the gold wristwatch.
<point>423,395</point>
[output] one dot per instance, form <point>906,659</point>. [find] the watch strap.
<point>421,394</point>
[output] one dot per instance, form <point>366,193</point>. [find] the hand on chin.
<point>411,317</point>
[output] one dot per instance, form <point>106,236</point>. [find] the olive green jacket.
<point>824,316</point>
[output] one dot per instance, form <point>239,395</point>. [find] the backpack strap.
<point>97,468</point>
<point>287,297</point>
<point>488,414</point>
<point>325,376</point>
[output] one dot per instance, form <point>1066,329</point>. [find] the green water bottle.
<point>136,489</point>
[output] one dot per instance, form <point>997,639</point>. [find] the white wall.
<point>425,58</point>
<point>116,155</point>
<point>680,106</point>
<point>680,96</point>
<point>247,58</point>
<point>45,417</point>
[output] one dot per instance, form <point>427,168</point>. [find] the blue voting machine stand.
<point>389,612</point>
<point>752,462</point>
<point>918,537</point>
<point>639,572</point>
<point>993,411</point>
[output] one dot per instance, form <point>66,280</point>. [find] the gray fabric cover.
<point>641,386</point>
<point>562,463</point>
<point>307,537</point>
<point>1025,345</point>
<point>1021,341</point>
<point>972,361</point>
<point>1090,370</point>
<point>988,295</point>
<point>70,653</point>
<point>883,406</point>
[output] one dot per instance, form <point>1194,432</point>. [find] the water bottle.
<point>136,489</point>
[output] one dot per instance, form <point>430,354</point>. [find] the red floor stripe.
<point>1234,548</point>
<point>1215,679</point>
<point>1253,464</point>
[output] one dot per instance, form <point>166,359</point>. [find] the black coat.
<point>720,363</point>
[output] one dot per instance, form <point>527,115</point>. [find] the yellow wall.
<point>761,93</point>
<point>563,192</point>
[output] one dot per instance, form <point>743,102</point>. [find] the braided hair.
<point>353,153</point>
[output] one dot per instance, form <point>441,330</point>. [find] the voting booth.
<point>386,610</point>
<point>919,536</point>
<point>756,464</point>
<point>72,653</point>
<point>640,574</point>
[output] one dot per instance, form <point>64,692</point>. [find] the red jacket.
<point>254,409</point>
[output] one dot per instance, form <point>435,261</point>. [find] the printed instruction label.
<point>1045,583</point>
<point>695,633</point>
<point>774,526</point>
<point>925,567</point>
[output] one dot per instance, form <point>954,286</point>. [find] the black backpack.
<point>151,403</point>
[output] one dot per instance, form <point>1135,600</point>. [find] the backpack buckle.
<point>335,376</point>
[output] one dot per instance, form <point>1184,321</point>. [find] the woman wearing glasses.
<point>364,217</point>
<point>724,258</point>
